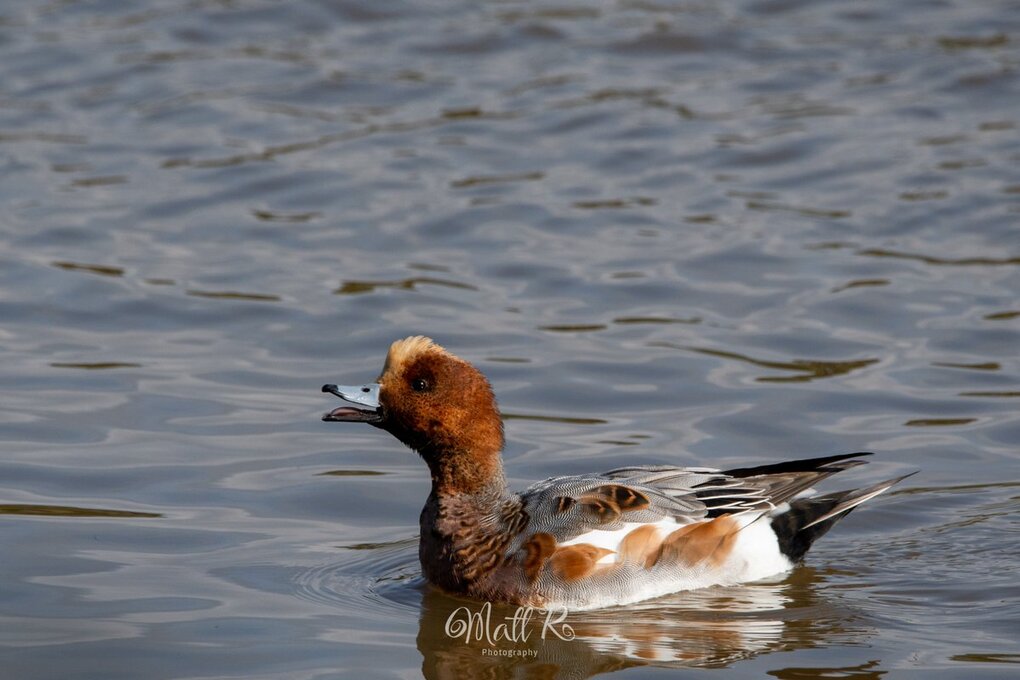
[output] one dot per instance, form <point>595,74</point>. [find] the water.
<point>670,232</point>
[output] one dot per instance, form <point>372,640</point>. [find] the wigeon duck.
<point>585,541</point>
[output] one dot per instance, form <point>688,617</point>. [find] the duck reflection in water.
<point>707,628</point>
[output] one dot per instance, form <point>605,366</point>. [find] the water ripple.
<point>380,576</point>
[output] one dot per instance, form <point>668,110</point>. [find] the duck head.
<point>437,404</point>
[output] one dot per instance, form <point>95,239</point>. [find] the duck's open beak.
<point>366,397</point>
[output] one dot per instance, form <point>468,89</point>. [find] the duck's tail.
<point>807,519</point>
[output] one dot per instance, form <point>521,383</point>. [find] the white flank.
<point>755,555</point>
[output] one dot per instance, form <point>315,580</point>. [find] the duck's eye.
<point>420,385</point>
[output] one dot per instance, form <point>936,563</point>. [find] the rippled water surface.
<point>670,232</point>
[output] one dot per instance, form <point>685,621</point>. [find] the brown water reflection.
<point>358,287</point>
<point>234,295</point>
<point>95,366</point>
<point>101,269</point>
<point>941,261</point>
<point>809,369</point>
<point>67,511</point>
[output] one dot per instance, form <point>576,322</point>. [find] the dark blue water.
<point>715,233</point>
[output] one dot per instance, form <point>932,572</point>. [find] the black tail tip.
<point>808,519</point>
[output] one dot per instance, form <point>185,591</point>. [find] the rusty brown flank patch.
<point>576,561</point>
<point>693,544</point>
<point>641,544</point>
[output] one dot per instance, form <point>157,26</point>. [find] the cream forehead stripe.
<point>404,350</point>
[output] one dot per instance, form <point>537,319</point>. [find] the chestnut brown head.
<point>431,400</point>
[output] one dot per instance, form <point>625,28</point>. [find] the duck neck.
<point>475,473</point>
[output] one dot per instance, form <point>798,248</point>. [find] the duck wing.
<point>569,507</point>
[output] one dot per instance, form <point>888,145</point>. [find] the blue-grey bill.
<point>365,398</point>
